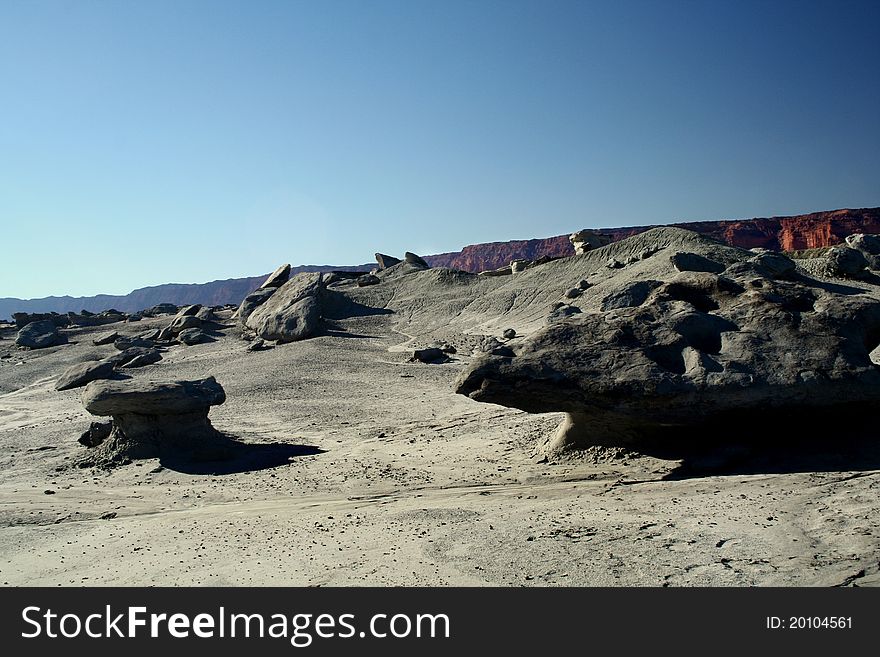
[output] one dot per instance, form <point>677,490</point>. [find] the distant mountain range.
<point>805,231</point>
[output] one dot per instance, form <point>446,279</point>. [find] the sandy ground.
<point>387,477</point>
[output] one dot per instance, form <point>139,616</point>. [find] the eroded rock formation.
<point>748,335</point>
<point>154,419</point>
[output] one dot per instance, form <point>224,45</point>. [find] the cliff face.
<point>805,231</point>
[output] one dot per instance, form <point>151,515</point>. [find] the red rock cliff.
<point>806,231</point>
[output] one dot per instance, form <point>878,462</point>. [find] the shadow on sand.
<point>845,441</point>
<point>233,456</point>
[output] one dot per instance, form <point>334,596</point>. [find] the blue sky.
<point>154,142</point>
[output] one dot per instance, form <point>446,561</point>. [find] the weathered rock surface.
<point>106,338</point>
<point>386,261</point>
<point>206,315</point>
<point>23,319</point>
<point>123,342</point>
<point>368,279</point>
<point>193,336</point>
<point>39,335</point>
<point>844,262</point>
<point>586,240</point>
<point>413,259</point>
<point>429,355</point>
<point>160,309</point>
<point>155,419</point>
<point>292,313</point>
<point>184,322</point>
<point>869,244</point>
<point>139,355</point>
<point>83,373</point>
<point>277,278</point>
<point>690,347</point>
<point>253,301</point>
<point>99,319</point>
<point>192,309</point>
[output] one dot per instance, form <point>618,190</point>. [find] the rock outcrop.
<point>292,313</point>
<point>277,278</point>
<point>686,347</point>
<point>83,373</point>
<point>386,261</point>
<point>39,335</point>
<point>155,419</point>
<point>587,240</point>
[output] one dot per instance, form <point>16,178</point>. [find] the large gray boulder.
<point>386,261</point>
<point>83,373</point>
<point>138,355</point>
<point>292,313</point>
<point>843,262</point>
<point>184,322</point>
<point>155,418</point>
<point>106,338</point>
<point>697,347</point>
<point>39,335</point>
<point>253,301</point>
<point>415,260</point>
<point>193,336</point>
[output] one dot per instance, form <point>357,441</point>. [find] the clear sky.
<point>184,141</point>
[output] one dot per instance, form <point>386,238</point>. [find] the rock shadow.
<point>336,305</point>
<point>231,455</point>
<point>843,440</point>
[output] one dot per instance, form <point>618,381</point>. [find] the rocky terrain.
<point>663,410</point>
<point>818,229</point>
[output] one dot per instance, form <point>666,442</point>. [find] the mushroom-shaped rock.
<point>697,348</point>
<point>153,418</point>
<point>586,240</point>
<point>292,313</point>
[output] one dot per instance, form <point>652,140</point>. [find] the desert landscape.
<point>659,408</point>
